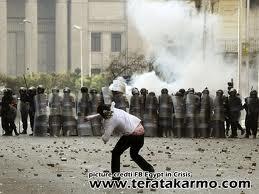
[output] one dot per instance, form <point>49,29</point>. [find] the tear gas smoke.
<point>176,35</point>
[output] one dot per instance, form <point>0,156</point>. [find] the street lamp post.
<point>28,68</point>
<point>81,51</point>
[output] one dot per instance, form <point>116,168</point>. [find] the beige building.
<point>40,35</point>
<point>44,35</point>
<point>241,23</point>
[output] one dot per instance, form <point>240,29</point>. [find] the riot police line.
<point>183,114</point>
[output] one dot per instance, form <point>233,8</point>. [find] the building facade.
<point>45,35</point>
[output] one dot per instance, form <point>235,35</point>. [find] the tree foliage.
<point>126,64</point>
<point>71,80</point>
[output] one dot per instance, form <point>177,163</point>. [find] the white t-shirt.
<point>122,122</point>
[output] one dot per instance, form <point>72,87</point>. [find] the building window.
<point>96,42</point>
<point>95,71</point>
<point>116,42</point>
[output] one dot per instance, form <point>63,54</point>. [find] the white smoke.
<point>174,32</point>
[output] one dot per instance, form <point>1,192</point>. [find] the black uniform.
<point>252,109</point>
<point>206,108</point>
<point>218,115</point>
<point>8,112</point>
<point>235,106</point>
<point>165,109</point>
<point>135,103</point>
<point>24,108</point>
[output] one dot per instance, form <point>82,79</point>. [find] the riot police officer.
<point>41,123</point>
<point>143,95</point>
<point>151,115</point>
<point>205,114</point>
<point>83,109</point>
<point>55,107</point>
<point>179,111</point>
<point>94,102</point>
<point>24,108</point>
<point>8,112</point>
<point>235,106</point>
<point>135,103</point>
<point>68,113</point>
<point>218,115</point>
<point>252,109</point>
<point>165,114</point>
<point>192,104</point>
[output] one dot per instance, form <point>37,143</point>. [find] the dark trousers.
<point>5,124</point>
<point>8,125</point>
<point>135,143</point>
<point>251,124</point>
<point>234,125</point>
<point>24,115</point>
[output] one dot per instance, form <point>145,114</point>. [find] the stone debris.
<point>168,168</point>
<point>200,149</point>
<point>224,150</point>
<point>126,165</point>
<point>248,157</point>
<point>1,155</point>
<point>35,174</point>
<point>218,174</point>
<point>254,164</point>
<point>51,164</point>
<point>59,175</point>
<point>63,159</point>
<point>20,169</point>
<point>240,167</point>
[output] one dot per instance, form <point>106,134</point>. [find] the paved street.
<point>60,165</point>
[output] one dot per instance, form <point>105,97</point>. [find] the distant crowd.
<point>184,114</point>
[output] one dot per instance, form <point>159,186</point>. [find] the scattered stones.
<point>126,165</point>
<point>200,149</point>
<point>254,164</point>
<point>1,156</point>
<point>63,159</point>
<point>218,174</point>
<point>248,157</point>
<point>59,175</point>
<point>240,167</point>
<point>168,168</point>
<point>35,174</point>
<point>20,169</point>
<point>224,150</point>
<point>51,164</point>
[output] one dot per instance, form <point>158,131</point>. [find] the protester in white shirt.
<point>132,136</point>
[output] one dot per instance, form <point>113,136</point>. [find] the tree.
<point>127,64</point>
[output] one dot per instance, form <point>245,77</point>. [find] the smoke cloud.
<point>176,35</point>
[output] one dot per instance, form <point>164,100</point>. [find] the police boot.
<point>24,132</point>
<point>247,135</point>
<point>254,136</point>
